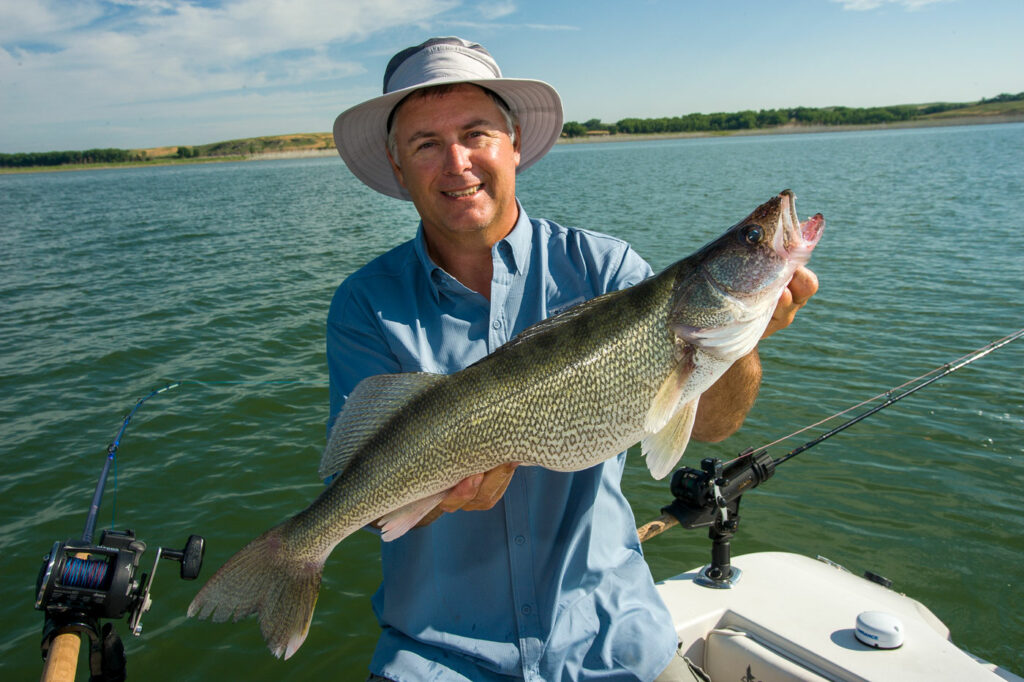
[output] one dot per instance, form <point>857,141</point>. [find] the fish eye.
<point>752,234</point>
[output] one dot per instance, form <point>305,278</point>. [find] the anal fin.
<point>397,523</point>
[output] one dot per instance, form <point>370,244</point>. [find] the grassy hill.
<point>243,147</point>
<point>1009,107</point>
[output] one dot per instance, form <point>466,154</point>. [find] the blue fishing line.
<point>88,573</point>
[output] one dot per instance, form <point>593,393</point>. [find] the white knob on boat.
<point>879,629</point>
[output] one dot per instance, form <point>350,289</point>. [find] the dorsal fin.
<point>371,404</point>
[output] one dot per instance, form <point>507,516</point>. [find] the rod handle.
<point>62,659</point>
<point>656,527</point>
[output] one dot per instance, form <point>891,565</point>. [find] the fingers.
<point>480,491</point>
<point>464,491</point>
<point>801,288</point>
<point>492,488</point>
<point>803,285</point>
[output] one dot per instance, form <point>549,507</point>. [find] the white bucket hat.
<point>360,133</point>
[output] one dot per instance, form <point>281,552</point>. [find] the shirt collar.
<point>516,243</point>
<point>520,240</point>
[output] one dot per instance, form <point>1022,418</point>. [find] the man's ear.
<point>396,169</point>
<point>517,147</point>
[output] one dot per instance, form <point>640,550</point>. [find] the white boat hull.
<point>790,617</point>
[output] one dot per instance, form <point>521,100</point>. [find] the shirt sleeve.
<point>632,270</point>
<point>356,347</point>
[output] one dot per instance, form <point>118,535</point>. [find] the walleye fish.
<point>566,394</point>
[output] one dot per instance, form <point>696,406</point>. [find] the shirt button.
<point>520,540</point>
<point>526,610</point>
<point>496,324</point>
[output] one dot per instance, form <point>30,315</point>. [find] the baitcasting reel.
<point>102,580</point>
<point>80,583</point>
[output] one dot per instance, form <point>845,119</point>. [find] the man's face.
<point>457,161</point>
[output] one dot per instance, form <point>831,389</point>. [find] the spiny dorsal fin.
<point>371,404</point>
<point>556,321</point>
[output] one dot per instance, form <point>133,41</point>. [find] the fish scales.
<point>527,405</point>
<point>566,394</point>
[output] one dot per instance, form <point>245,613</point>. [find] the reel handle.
<point>190,556</point>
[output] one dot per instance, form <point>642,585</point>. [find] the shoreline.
<point>795,129</point>
<point>788,129</point>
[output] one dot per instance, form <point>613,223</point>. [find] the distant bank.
<point>795,129</point>
<point>306,145</point>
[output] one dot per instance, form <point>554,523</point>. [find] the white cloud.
<point>496,9</point>
<point>30,21</point>
<point>863,5</point>
<point>61,59</point>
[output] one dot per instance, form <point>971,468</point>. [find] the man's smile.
<point>459,193</point>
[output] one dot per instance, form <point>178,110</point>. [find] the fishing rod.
<point>81,583</point>
<point>710,496</point>
<point>94,507</point>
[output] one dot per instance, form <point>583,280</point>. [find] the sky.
<point>81,74</point>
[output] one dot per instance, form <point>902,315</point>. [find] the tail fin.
<point>266,579</point>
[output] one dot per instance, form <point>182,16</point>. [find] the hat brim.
<point>360,133</point>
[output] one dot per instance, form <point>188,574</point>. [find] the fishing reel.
<point>710,497</point>
<point>79,583</point>
<point>103,580</point>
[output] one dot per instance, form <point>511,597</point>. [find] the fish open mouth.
<point>812,228</point>
<point>809,230</point>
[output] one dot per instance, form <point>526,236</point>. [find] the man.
<point>539,575</point>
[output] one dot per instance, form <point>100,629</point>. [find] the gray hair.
<point>511,122</point>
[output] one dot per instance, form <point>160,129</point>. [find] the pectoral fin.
<point>666,402</point>
<point>664,448</point>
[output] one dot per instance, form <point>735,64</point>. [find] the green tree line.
<point>23,160</point>
<point>768,118</point>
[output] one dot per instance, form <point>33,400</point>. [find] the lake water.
<point>115,282</point>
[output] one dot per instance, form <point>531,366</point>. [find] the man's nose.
<point>456,159</point>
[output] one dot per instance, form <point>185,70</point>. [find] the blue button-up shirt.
<point>550,584</point>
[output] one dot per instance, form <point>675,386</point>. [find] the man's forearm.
<point>725,405</point>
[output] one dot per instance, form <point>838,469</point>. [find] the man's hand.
<point>480,491</point>
<point>803,285</point>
